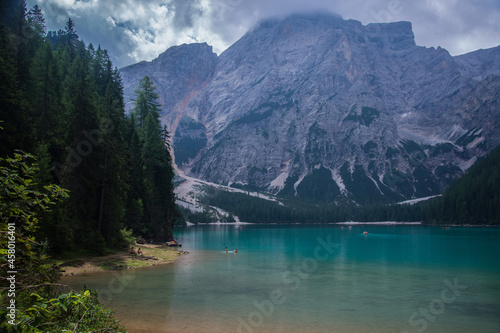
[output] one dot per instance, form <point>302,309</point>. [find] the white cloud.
<point>135,30</point>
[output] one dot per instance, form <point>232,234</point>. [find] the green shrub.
<point>72,312</point>
<point>127,237</point>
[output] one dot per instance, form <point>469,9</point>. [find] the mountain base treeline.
<point>258,210</point>
<point>474,199</point>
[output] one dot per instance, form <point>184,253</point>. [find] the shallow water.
<point>314,279</point>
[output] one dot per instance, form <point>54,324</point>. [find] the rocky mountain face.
<point>178,73</point>
<point>326,109</point>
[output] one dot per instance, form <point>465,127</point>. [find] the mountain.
<point>324,109</point>
<point>179,73</point>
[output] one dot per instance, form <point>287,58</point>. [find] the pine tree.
<point>157,171</point>
<point>70,36</point>
<point>36,23</point>
<point>146,100</point>
<point>63,101</point>
<point>14,67</point>
<point>114,179</point>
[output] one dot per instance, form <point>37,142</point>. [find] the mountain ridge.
<point>313,105</point>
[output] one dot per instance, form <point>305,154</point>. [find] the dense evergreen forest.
<point>76,173</point>
<point>258,210</point>
<point>473,199</point>
<point>62,101</point>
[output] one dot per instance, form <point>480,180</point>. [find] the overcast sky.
<point>136,30</point>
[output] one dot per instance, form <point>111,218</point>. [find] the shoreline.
<point>153,255</point>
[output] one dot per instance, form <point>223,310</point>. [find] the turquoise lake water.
<point>314,279</point>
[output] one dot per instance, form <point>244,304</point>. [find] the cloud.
<point>186,13</point>
<point>136,30</point>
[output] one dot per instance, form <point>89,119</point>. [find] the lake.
<point>321,278</point>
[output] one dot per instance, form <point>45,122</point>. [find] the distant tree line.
<point>62,101</point>
<point>258,210</point>
<point>473,199</point>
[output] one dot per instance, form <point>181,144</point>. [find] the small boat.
<point>174,244</point>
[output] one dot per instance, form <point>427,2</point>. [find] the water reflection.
<point>355,282</point>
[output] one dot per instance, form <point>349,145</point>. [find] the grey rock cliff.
<point>178,73</point>
<point>315,102</point>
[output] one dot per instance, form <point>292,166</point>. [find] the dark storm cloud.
<point>135,30</point>
<point>186,13</point>
<point>58,11</point>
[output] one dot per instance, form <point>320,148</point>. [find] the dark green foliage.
<point>257,210</point>
<point>251,209</point>
<point>23,206</point>
<point>398,180</point>
<point>472,199</point>
<point>318,145</point>
<point>146,101</point>
<point>318,186</point>
<point>75,312</point>
<point>190,138</point>
<point>425,182</point>
<point>14,65</point>
<point>199,217</point>
<point>288,190</point>
<point>152,193</point>
<point>360,185</point>
<point>447,173</point>
<point>63,101</point>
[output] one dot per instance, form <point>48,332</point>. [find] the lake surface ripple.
<point>314,279</point>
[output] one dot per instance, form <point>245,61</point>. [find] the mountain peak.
<point>312,105</point>
<point>394,35</point>
<point>187,48</point>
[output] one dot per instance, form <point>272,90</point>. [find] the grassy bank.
<point>75,264</point>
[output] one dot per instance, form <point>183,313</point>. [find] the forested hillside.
<point>62,101</point>
<point>472,199</point>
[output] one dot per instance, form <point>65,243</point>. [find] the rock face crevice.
<point>323,108</point>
